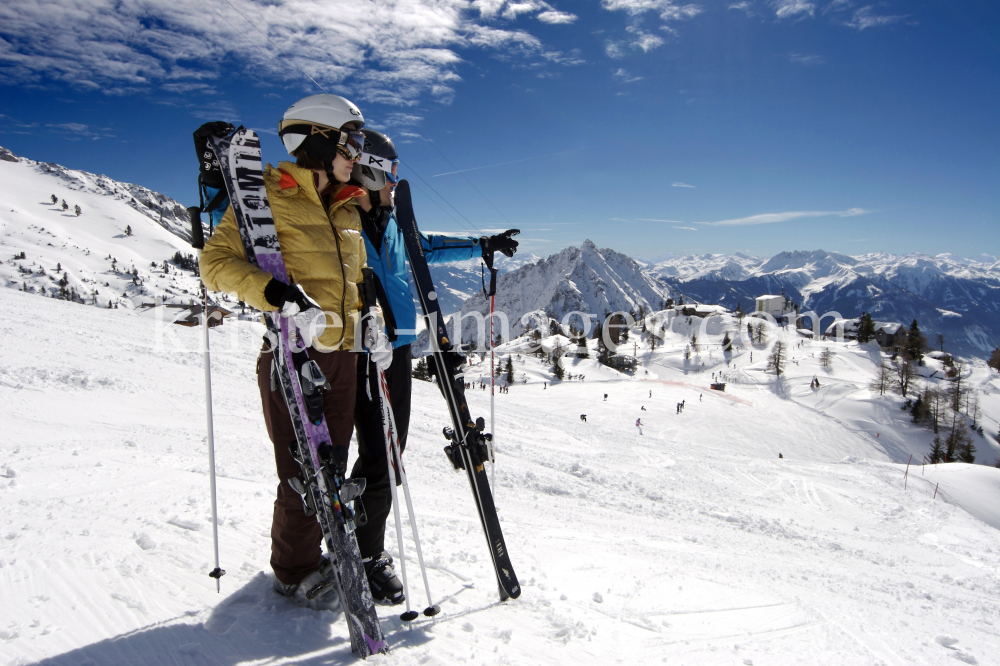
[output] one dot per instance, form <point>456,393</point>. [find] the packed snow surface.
<point>688,543</point>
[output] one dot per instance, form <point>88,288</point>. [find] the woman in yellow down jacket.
<point>319,230</point>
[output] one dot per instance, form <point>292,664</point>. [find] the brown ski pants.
<point>295,537</point>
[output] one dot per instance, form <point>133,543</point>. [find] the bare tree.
<point>776,360</point>
<point>903,375</point>
<point>826,358</point>
<point>957,390</point>
<point>883,378</point>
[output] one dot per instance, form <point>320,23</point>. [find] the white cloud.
<point>614,49</point>
<point>403,119</point>
<point>864,19</point>
<point>391,52</point>
<point>744,6</point>
<point>645,41</point>
<point>686,228</point>
<point>680,185</point>
<point>668,11</point>
<point>805,59</point>
<point>787,8</point>
<point>560,58</point>
<point>556,18</point>
<point>770,218</point>
<point>623,76</point>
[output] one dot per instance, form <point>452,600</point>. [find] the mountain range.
<point>956,297</point>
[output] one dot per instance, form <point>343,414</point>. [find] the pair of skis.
<point>322,479</point>
<point>469,446</point>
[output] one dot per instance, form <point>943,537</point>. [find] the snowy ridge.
<point>91,258</point>
<point>585,279</point>
<point>169,214</point>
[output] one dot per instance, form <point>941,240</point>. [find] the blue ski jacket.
<point>387,257</point>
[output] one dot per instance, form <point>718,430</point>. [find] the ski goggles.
<point>349,143</point>
<point>384,164</point>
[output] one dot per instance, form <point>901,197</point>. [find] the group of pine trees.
<point>65,206</point>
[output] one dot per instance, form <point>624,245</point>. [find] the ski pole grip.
<point>197,233</point>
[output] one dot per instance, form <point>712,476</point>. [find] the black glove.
<point>287,297</point>
<point>503,243</point>
<point>211,175</point>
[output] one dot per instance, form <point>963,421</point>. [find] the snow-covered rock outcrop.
<point>585,279</point>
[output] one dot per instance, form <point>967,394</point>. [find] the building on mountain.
<point>778,306</point>
<point>889,335</point>
<point>185,315</point>
<point>845,329</point>
<point>701,310</point>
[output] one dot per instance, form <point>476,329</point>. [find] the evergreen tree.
<point>937,452</point>
<point>64,205</point>
<point>128,232</point>
<point>557,367</point>
<point>916,343</point>
<point>994,361</point>
<point>727,343</point>
<point>55,199</point>
<point>669,304</point>
<point>510,370</point>
<point>77,210</point>
<point>420,372</point>
<point>866,328</point>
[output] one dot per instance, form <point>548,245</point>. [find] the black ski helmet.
<point>377,160</point>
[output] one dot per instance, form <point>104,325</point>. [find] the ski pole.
<point>198,243</point>
<point>389,432</point>
<point>431,609</point>
<point>493,461</point>
<point>396,464</point>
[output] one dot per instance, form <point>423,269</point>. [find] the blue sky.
<point>649,126</point>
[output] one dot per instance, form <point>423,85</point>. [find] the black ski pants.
<point>371,463</point>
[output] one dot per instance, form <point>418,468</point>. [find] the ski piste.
<point>322,471</point>
<point>468,448</point>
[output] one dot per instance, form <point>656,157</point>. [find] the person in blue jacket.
<point>376,172</point>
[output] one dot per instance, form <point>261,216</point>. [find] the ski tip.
<point>409,616</point>
<point>431,611</point>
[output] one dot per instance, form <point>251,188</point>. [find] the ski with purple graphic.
<point>325,491</point>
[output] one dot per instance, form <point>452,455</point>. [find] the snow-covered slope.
<point>691,542</point>
<point>585,279</point>
<point>104,255</point>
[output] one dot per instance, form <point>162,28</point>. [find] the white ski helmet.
<point>329,111</point>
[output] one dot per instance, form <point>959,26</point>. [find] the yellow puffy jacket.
<point>323,251</point>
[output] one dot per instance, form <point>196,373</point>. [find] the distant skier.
<point>651,394</point>
<point>583,417</point>
<point>643,408</point>
<point>605,397</point>
<point>638,424</point>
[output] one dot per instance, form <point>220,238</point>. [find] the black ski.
<point>468,447</point>
<point>321,482</point>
